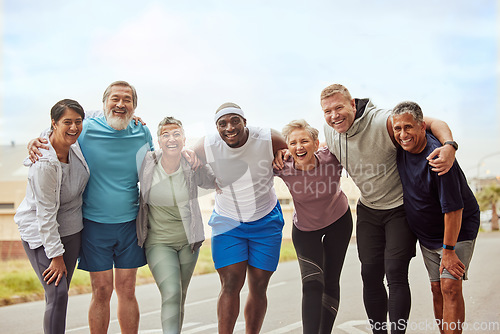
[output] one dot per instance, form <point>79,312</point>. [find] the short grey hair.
<point>120,83</point>
<point>409,107</point>
<point>169,120</point>
<point>299,124</point>
<point>334,89</point>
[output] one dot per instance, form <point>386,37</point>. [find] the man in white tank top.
<point>247,221</point>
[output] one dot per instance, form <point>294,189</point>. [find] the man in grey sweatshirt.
<point>360,135</point>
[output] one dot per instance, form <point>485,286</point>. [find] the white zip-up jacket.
<point>36,216</point>
<point>203,177</point>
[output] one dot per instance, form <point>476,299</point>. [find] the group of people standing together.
<point>83,201</point>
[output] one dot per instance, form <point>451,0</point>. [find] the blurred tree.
<point>488,198</point>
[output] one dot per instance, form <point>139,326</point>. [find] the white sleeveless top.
<point>244,174</point>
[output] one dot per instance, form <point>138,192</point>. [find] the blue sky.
<point>273,58</point>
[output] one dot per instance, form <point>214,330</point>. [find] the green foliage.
<point>80,278</point>
<point>488,196</point>
<point>21,283</point>
<point>18,281</point>
<point>287,251</point>
<point>205,265</point>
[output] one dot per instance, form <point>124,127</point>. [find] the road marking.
<point>286,329</point>
<point>76,329</point>
<point>349,328</point>
<point>238,326</point>
<point>271,286</point>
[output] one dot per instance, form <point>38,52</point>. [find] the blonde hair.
<point>334,89</point>
<point>299,124</point>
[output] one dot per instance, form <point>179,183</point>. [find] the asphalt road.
<point>482,293</point>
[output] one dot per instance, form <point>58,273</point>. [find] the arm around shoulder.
<point>442,158</point>
<point>439,129</point>
<point>204,177</point>
<point>199,149</point>
<point>278,140</point>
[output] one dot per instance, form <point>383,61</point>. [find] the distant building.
<point>13,179</point>
<point>479,183</point>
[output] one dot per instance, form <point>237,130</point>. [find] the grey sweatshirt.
<point>368,154</point>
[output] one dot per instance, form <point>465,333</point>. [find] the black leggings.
<point>321,256</point>
<point>386,246</point>
<point>377,303</point>
<point>56,297</point>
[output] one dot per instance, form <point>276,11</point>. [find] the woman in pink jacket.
<point>322,223</point>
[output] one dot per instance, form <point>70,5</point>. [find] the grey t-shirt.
<point>74,180</point>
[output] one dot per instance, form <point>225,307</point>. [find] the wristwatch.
<point>448,247</point>
<point>452,143</point>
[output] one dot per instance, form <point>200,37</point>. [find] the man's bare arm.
<point>33,148</point>
<point>279,142</point>
<point>450,260</point>
<point>199,149</point>
<point>442,158</point>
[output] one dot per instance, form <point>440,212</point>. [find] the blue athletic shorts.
<point>258,242</point>
<point>106,244</point>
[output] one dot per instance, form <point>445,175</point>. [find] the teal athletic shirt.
<point>114,158</point>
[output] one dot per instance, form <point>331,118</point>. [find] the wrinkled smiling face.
<point>232,129</point>
<point>409,133</point>
<point>171,140</point>
<point>339,112</point>
<point>119,107</point>
<point>68,127</point>
<point>302,147</point>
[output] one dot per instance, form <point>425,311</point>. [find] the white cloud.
<point>271,57</point>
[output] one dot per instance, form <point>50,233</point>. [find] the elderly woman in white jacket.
<point>50,216</point>
<point>169,222</point>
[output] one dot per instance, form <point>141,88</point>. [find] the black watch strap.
<point>452,143</point>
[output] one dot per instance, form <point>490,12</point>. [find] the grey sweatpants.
<point>56,297</point>
<point>172,269</point>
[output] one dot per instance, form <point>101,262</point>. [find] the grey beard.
<point>118,123</point>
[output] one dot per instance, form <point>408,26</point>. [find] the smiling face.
<point>339,112</point>
<point>232,129</point>
<point>67,129</point>
<point>409,133</point>
<point>302,147</point>
<point>171,139</point>
<point>119,107</point>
